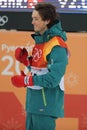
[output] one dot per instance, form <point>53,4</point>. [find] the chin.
<point>36,30</point>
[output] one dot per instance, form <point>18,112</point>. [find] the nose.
<point>33,21</point>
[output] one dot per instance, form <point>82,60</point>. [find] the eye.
<point>35,19</point>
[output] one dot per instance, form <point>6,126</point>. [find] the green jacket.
<point>49,100</point>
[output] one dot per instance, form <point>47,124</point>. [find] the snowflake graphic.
<point>12,124</point>
<point>84,121</point>
<point>71,79</point>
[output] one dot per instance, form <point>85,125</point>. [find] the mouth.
<point>35,27</point>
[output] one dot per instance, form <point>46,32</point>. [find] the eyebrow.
<point>35,16</point>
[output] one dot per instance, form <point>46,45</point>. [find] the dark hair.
<point>47,11</point>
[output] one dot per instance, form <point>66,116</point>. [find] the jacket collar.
<point>55,30</point>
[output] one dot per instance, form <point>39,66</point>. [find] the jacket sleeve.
<point>57,62</point>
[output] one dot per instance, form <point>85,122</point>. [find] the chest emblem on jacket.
<point>37,54</point>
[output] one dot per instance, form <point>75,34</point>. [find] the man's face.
<point>39,25</point>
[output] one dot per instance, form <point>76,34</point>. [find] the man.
<point>45,92</point>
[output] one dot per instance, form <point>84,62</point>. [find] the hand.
<point>22,80</point>
<point>22,56</point>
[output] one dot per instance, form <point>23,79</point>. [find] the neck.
<point>42,31</point>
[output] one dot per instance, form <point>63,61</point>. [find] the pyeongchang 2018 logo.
<point>3,20</point>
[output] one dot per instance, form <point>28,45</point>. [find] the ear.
<point>47,22</point>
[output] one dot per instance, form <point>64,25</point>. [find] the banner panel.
<point>12,99</point>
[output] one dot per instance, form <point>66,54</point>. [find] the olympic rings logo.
<point>3,20</point>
